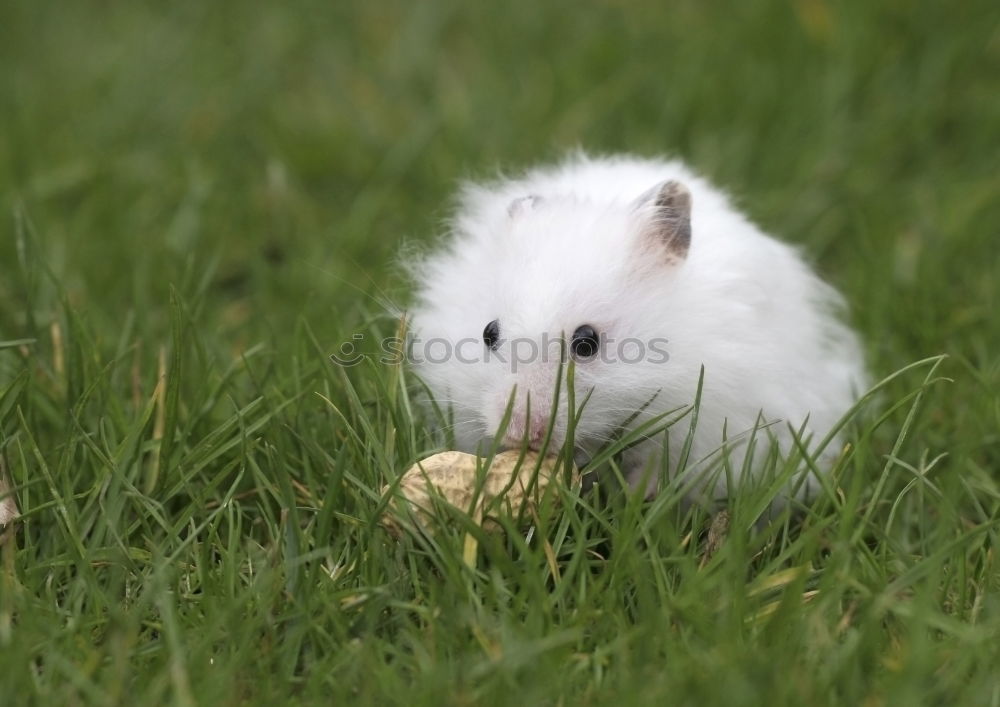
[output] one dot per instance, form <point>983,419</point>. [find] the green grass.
<point>224,189</point>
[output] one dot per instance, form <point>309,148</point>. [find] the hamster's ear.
<point>666,211</point>
<point>522,205</point>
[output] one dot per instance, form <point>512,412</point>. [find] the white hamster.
<point>651,274</point>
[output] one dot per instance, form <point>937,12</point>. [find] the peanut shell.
<point>451,477</point>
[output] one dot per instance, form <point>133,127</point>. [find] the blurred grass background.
<point>267,162</point>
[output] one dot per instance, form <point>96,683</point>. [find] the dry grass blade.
<point>8,503</point>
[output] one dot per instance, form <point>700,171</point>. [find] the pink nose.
<point>521,429</point>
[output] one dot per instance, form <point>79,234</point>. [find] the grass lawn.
<point>199,202</point>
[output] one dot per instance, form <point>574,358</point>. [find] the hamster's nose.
<point>522,430</point>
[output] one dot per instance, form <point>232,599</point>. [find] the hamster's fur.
<point>642,251</point>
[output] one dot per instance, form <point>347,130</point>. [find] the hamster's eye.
<point>586,342</point>
<point>491,334</point>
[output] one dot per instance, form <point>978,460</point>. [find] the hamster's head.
<point>530,282</point>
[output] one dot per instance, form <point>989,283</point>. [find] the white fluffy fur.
<point>741,304</point>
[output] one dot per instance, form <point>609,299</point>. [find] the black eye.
<point>585,343</point>
<point>491,334</point>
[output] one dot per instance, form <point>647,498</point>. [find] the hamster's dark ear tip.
<point>523,204</point>
<point>675,196</point>
<point>670,221</point>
